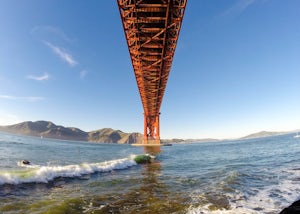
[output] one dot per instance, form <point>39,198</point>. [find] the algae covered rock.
<point>144,158</point>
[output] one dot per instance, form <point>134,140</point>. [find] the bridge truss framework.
<point>151,29</point>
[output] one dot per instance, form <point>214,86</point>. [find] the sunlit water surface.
<point>245,176</point>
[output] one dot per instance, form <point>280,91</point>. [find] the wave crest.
<point>44,174</point>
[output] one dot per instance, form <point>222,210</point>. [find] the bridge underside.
<point>151,29</point>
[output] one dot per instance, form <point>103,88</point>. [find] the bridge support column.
<point>151,129</point>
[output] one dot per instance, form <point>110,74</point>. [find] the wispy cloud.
<point>239,7</point>
<point>83,73</point>
<point>62,53</point>
<point>33,99</point>
<point>44,77</point>
<point>29,98</point>
<point>7,97</point>
<point>45,31</point>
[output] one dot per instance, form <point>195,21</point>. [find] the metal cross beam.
<point>151,29</point>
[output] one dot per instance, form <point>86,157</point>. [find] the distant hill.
<point>50,130</point>
<point>108,135</point>
<point>263,134</point>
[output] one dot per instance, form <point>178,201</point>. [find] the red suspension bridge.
<point>151,29</point>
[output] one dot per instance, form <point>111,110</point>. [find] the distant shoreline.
<point>49,130</point>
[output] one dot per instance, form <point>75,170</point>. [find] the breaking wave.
<point>44,174</point>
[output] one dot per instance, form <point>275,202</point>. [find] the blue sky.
<point>236,68</point>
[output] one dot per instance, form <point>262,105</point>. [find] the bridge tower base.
<point>151,129</point>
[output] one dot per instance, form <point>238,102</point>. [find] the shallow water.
<point>245,176</point>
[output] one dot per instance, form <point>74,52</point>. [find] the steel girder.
<point>151,29</point>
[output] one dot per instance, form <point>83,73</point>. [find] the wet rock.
<point>294,208</point>
<point>26,162</point>
<point>143,159</point>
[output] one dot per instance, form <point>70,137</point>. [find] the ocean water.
<point>243,176</point>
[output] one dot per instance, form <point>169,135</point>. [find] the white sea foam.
<point>206,210</point>
<point>44,174</point>
<point>271,199</point>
